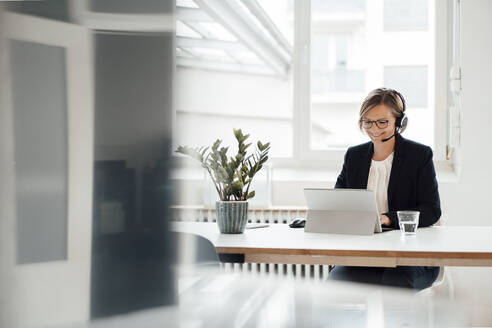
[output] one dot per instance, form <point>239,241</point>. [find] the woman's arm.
<point>342,177</point>
<point>428,201</point>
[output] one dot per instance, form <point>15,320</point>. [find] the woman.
<point>401,173</point>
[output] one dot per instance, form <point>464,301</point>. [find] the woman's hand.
<point>385,220</point>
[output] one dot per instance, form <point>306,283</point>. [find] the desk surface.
<point>459,245</point>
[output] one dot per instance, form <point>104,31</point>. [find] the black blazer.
<point>412,184</point>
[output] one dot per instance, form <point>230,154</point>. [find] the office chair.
<point>195,256</point>
<point>444,282</point>
<point>194,251</point>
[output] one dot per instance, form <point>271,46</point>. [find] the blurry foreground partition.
<point>131,250</point>
<point>48,127</point>
<point>86,124</point>
<point>130,258</point>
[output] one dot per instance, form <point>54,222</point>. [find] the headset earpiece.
<point>402,123</point>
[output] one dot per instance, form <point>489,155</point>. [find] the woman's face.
<point>385,119</point>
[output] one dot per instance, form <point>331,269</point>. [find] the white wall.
<point>466,201</point>
<point>243,94</point>
<point>209,104</point>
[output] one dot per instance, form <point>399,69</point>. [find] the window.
<point>403,15</point>
<point>357,46</point>
<point>294,72</point>
<point>235,71</point>
<point>337,72</point>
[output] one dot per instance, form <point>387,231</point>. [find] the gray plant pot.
<point>232,216</point>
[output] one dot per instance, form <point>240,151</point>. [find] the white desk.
<point>436,246</point>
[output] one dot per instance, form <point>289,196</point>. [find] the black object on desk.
<point>231,258</point>
<point>297,223</point>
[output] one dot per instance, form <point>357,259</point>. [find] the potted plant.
<point>232,178</point>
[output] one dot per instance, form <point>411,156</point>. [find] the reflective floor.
<point>211,299</point>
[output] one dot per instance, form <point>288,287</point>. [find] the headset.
<point>401,121</point>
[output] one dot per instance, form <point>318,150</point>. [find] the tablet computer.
<point>346,211</point>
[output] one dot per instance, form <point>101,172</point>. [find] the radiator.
<point>270,216</point>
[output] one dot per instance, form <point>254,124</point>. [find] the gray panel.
<point>40,138</point>
<point>405,15</point>
<point>133,110</point>
<point>132,6</point>
<point>53,9</point>
<point>411,81</point>
<point>133,97</point>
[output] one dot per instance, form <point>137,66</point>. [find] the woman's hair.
<point>389,97</point>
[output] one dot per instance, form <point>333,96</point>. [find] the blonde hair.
<point>389,97</point>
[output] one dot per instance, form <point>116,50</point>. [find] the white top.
<point>379,175</point>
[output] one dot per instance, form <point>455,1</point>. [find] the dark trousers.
<point>416,277</point>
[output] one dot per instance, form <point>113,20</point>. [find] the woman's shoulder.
<point>414,145</point>
<point>414,149</point>
<point>361,149</point>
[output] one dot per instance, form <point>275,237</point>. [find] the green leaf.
<point>237,189</point>
<point>250,195</point>
<point>216,144</point>
<point>238,134</point>
<point>191,152</point>
<point>221,174</point>
<point>231,174</point>
<point>263,147</point>
<point>237,185</point>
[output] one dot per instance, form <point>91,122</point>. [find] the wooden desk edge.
<point>358,257</point>
<point>336,252</point>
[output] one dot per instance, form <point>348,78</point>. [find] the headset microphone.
<point>386,139</point>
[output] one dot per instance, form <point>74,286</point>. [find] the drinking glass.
<point>409,221</point>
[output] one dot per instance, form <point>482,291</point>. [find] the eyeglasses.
<point>382,124</point>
